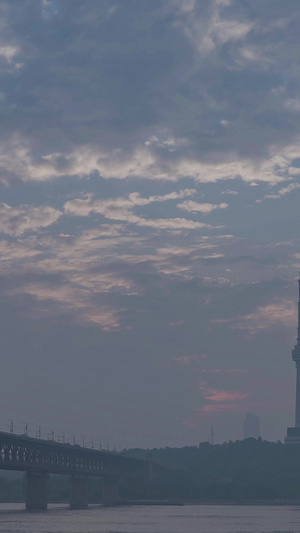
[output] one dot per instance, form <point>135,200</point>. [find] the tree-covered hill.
<point>249,469</point>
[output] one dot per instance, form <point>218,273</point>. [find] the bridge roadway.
<point>39,458</point>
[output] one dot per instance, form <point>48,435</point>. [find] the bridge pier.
<point>40,458</point>
<point>78,492</point>
<point>110,492</point>
<point>36,491</point>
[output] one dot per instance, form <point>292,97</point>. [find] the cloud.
<point>220,400</point>
<point>145,115</point>
<point>16,161</point>
<point>293,104</point>
<point>232,193</point>
<point>113,207</point>
<point>144,163</point>
<point>171,223</point>
<point>14,252</point>
<point>214,29</point>
<point>184,360</point>
<point>220,396</point>
<point>284,190</point>
<point>120,209</point>
<point>8,52</point>
<point>76,301</point>
<point>15,221</point>
<point>281,313</point>
<point>205,209</point>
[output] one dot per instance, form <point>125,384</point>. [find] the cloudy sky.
<point>149,217</point>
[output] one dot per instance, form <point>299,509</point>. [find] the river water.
<point>152,519</point>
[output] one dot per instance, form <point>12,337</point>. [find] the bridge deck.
<point>19,452</point>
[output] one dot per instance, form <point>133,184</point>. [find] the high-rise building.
<point>293,434</point>
<point>251,426</point>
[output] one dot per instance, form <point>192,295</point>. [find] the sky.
<point>149,218</point>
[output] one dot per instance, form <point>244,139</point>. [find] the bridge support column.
<point>78,492</point>
<point>36,491</point>
<point>110,492</point>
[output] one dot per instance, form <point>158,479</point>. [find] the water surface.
<point>156,519</point>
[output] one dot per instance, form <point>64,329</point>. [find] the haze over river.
<point>152,519</point>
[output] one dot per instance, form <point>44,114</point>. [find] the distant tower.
<point>251,426</point>
<point>293,434</point>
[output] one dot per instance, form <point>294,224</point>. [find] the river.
<point>152,519</point>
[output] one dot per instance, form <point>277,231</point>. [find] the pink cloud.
<point>215,395</point>
<point>223,371</point>
<point>176,324</point>
<point>189,423</point>
<point>223,400</point>
<point>214,408</point>
<point>187,359</point>
<point>184,360</point>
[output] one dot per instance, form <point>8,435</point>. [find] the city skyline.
<point>149,207</point>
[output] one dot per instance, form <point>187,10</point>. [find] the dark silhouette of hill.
<point>248,469</point>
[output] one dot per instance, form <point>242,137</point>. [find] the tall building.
<point>293,434</point>
<point>251,426</point>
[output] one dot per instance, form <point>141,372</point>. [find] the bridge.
<point>39,458</point>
